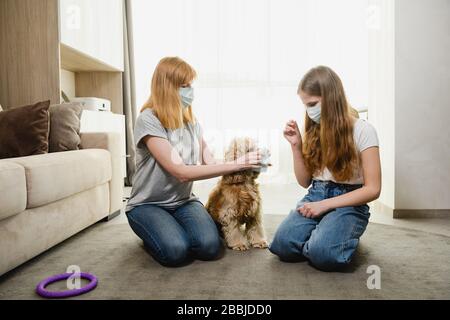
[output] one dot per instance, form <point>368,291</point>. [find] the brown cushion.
<point>24,131</point>
<point>65,127</point>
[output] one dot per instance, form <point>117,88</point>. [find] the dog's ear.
<point>231,153</point>
<point>234,178</point>
<point>249,144</point>
<point>239,147</point>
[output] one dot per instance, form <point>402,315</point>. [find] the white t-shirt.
<point>365,136</point>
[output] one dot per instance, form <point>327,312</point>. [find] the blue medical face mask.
<point>186,96</point>
<point>314,113</point>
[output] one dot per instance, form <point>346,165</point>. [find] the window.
<point>250,56</point>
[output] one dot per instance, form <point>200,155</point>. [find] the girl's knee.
<point>284,248</point>
<point>329,257</point>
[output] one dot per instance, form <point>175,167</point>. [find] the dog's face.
<point>240,147</point>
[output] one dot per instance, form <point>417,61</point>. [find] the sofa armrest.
<point>109,141</point>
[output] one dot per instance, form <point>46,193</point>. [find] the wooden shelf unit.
<point>33,55</point>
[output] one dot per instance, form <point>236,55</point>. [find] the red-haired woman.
<point>171,154</point>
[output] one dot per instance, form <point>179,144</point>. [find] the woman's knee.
<point>209,247</point>
<point>173,254</point>
<point>206,243</point>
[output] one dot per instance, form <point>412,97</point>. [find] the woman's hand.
<point>170,160</point>
<point>313,210</point>
<point>251,160</point>
<point>292,133</point>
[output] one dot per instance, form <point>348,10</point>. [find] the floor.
<point>412,255</point>
<point>412,265</point>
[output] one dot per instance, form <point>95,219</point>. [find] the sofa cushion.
<point>55,176</point>
<point>13,189</point>
<point>24,131</point>
<point>65,127</point>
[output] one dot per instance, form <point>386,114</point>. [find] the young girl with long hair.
<point>338,159</point>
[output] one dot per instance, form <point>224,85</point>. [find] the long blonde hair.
<point>329,144</point>
<point>170,74</point>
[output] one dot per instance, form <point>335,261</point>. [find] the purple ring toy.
<point>40,289</point>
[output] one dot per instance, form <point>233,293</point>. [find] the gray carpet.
<point>414,265</point>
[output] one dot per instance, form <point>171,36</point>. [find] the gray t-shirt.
<point>152,184</point>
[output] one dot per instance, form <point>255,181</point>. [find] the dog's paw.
<point>239,247</point>
<point>260,244</point>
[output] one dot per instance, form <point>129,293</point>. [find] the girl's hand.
<point>251,160</point>
<point>313,210</point>
<point>292,133</point>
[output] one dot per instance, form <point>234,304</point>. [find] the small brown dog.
<point>235,203</point>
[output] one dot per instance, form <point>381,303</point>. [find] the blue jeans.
<point>327,242</point>
<point>175,236</point>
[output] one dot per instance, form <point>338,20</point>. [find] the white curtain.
<point>250,56</point>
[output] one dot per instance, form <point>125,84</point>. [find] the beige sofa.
<point>46,199</point>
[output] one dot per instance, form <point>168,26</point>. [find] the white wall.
<point>382,89</point>
<point>409,100</point>
<point>422,86</point>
